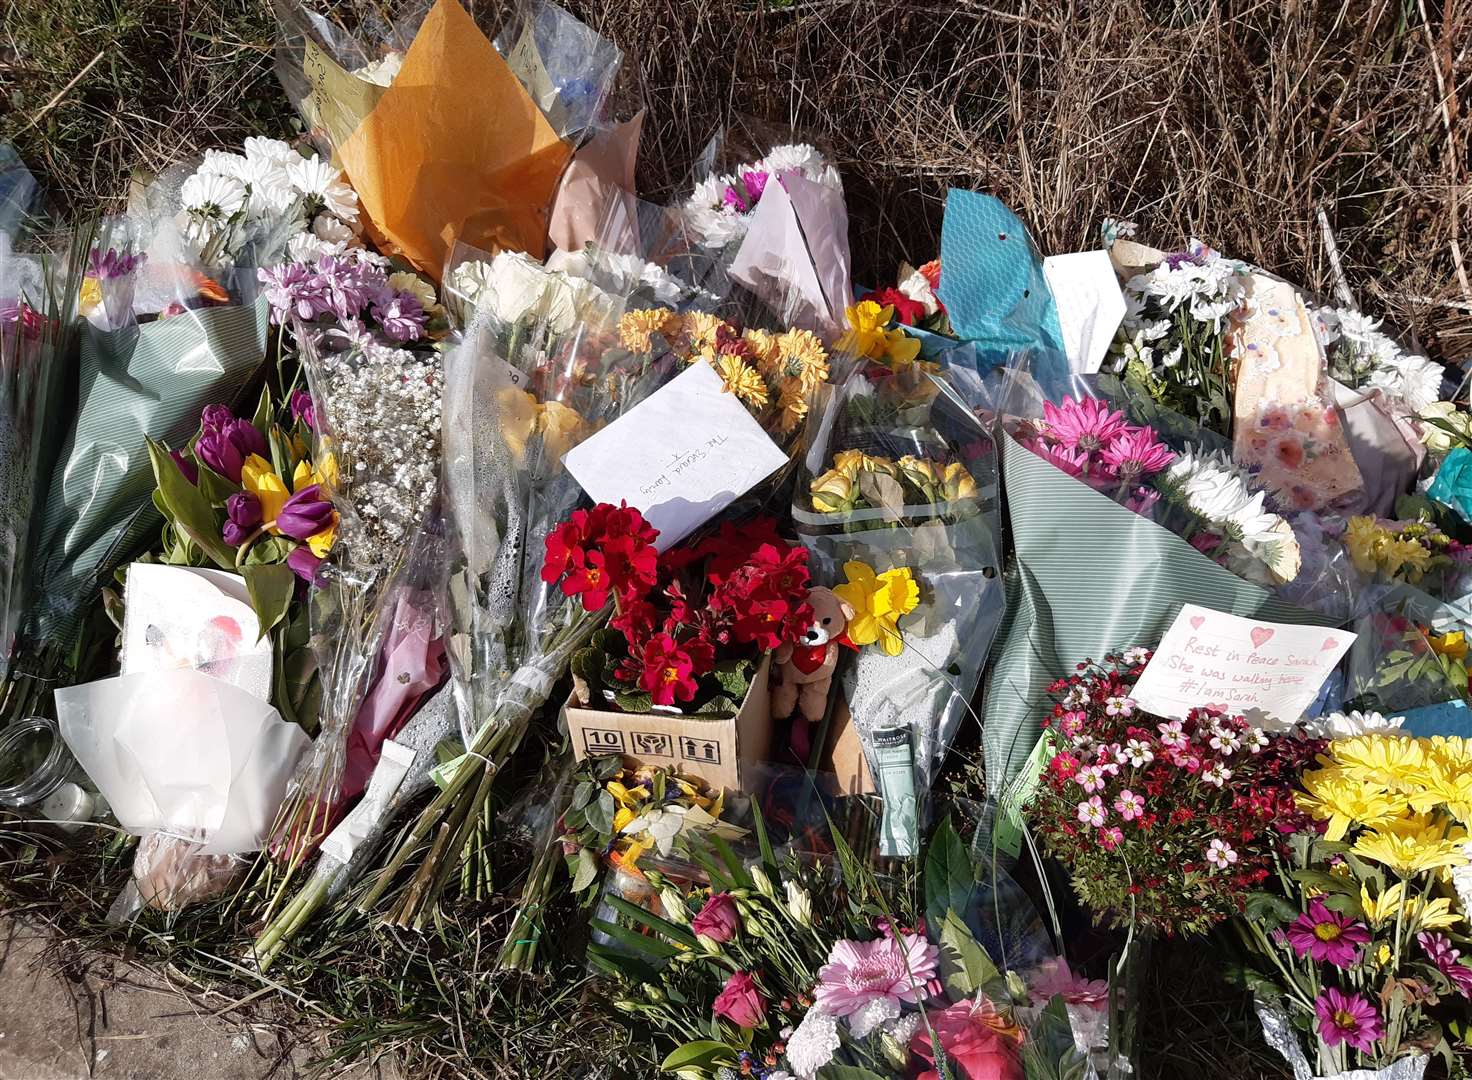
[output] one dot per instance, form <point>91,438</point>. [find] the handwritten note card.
<point>681,456</point>
<point>1268,672</point>
<point>1090,305</point>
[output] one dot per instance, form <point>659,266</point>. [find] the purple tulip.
<point>305,514</point>
<point>187,467</point>
<point>244,510</point>
<point>304,564</point>
<point>304,409</point>
<point>225,442</point>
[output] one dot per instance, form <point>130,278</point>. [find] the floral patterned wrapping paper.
<point>1286,423</point>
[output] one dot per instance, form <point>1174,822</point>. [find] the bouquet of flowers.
<point>690,636</point>
<point>900,487</point>
<point>1358,942</point>
<point>775,969</point>
<point>720,208</point>
<point>1163,824</point>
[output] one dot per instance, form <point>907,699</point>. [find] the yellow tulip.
<point>258,478</point>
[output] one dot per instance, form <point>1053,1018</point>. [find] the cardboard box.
<point>844,754</point>
<point>714,750</point>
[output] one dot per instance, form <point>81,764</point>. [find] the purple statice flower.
<point>401,317</point>
<point>351,286</point>
<point>293,289</point>
<point>244,512</point>
<point>225,442</point>
<point>110,264</point>
<point>1447,960</point>
<point>304,409</point>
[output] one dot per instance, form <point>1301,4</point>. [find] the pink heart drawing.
<point>1260,635</point>
<point>1196,621</point>
<point>1329,643</point>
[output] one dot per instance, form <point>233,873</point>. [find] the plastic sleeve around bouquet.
<point>1089,576</point>
<point>143,380</point>
<point>1401,658</point>
<point>952,544</point>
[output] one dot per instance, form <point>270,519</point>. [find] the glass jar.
<point>37,768</point>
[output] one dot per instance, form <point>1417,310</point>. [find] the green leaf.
<point>262,418</point>
<point>649,946</point>
<point>720,705</point>
<point>657,923</point>
<point>582,795</point>
<point>280,455</point>
<point>965,966</point>
<point>600,813</point>
<point>734,677</point>
<point>187,507</point>
<point>271,590</point>
<point>1326,882</point>
<point>707,1055</point>
<point>1344,904</point>
<point>587,872</point>
<point>846,1072</point>
<point>764,842</point>
<point>587,664</point>
<point>215,487</point>
<point>1265,907</point>
<point>633,701</point>
<point>950,877</point>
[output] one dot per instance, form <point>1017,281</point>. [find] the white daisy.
<point>277,152</point>
<point>318,180</point>
<point>328,228</point>
<point>212,196</point>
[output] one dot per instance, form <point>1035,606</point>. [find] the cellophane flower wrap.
<point>520,392</point>
<point>899,474</point>
<point>1359,938</point>
<point>1157,516</point>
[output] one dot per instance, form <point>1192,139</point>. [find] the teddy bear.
<point>802,673</point>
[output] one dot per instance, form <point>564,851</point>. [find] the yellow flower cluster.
<point>1404,554</point>
<point>1409,801</point>
<point>838,489</point>
<point>768,372</point>
<point>259,478</point>
<point>655,819</point>
<point>869,335</point>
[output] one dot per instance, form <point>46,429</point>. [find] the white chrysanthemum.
<point>1462,878</point>
<point>791,157</point>
<point>271,192</point>
<point>903,1029</point>
<point>872,1015</point>
<point>813,1044</point>
<point>918,289</point>
<point>307,247</point>
<point>383,71</point>
<point>1413,380</point>
<point>318,180</point>
<point>277,152</point>
<point>212,196</point>
<point>328,228</point>
<point>221,163</point>
<point>1218,491</point>
<point>1346,725</point>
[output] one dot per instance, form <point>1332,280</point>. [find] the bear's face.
<point>830,617</point>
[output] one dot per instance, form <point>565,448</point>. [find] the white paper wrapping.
<point>184,753</point>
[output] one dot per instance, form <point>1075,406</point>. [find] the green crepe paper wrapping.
<point>1089,577</point>
<point>149,380</point>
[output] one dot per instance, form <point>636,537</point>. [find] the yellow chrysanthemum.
<point>1406,559</point>
<point>636,329</point>
<point>1344,801</point>
<point>1363,537</point>
<point>801,356</point>
<point>792,405</point>
<point>1386,759</point>
<point>1412,845</point>
<point>701,332</point>
<point>742,380</point>
<point>765,352</point>
<point>879,602</point>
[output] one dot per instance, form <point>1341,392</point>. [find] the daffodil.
<point>1344,801</point>
<point>879,602</point>
<point>1412,845</point>
<point>869,336</point>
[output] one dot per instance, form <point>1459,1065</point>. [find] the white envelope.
<point>682,455</point>
<point>1090,305</point>
<point>191,617</point>
<point>181,752</point>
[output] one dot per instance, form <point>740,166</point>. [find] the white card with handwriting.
<point>1268,672</point>
<point>682,455</point>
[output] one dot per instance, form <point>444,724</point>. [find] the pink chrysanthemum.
<point>1070,461</point>
<point>1053,978</point>
<point>1086,425</point>
<point>1347,1018</point>
<point>1137,453</point>
<point>1447,960</point>
<point>1327,936</point>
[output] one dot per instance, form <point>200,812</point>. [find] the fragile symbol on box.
<point>707,751</point>
<point>603,740</point>
<point>652,744</point>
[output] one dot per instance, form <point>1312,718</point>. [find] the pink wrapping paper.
<point>601,171</point>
